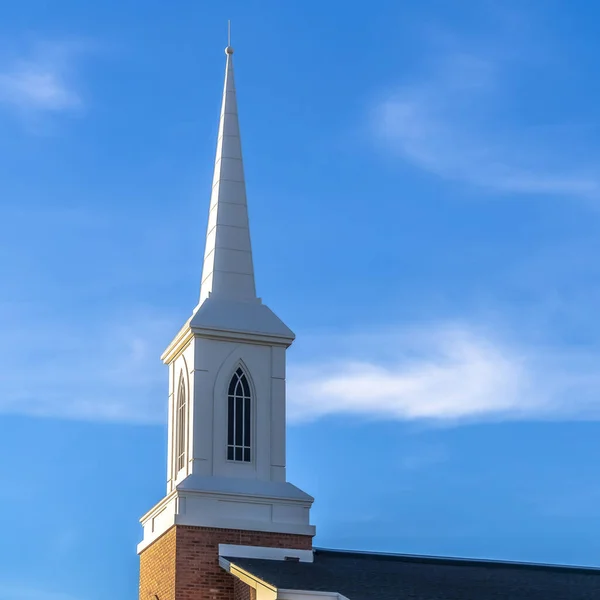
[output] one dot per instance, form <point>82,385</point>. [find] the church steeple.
<point>227,484</point>
<point>228,270</point>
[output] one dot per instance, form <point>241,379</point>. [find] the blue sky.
<point>424,191</point>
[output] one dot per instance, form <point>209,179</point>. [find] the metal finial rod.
<point>229,49</point>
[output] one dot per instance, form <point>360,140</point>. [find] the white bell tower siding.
<point>226,464</point>
<point>205,368</point>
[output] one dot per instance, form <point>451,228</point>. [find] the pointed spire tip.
<point>228,269</point>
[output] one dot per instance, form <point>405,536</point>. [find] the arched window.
<point>181,425</point>
<point>239,418</point>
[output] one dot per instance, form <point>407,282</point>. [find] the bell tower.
<point>226,475</point>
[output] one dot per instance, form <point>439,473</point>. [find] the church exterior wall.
<point>183,564</point>
<point>157,568</point>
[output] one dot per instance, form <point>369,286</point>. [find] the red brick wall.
<point>195,553</point>
<point>157,568</point>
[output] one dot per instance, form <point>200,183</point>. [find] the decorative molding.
<point>232,335</point>
<point>179,343</point>
<point>248,512</point>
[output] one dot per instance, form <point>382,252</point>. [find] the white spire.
<point>228,272</point>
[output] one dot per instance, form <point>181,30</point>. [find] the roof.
<point>218,314</point>
<point>369,576</point>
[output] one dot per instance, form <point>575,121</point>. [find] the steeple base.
<point>245,505</point>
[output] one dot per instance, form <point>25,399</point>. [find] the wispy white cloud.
<point>455,120</point>
<point>67,357</point>
<point>450,374</point>
<point>34,86</point>
<point>42,80</point>
<point>77,339</point>
<point>86,371</point>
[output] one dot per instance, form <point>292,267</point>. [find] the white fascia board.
<point>264,553</point>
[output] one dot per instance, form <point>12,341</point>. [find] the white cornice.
<point>180,341</point>
<point>157,508</point>
<point>256,510</point>
<point>189,331</point>
<point>242,336</point>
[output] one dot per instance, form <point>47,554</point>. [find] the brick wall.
<point>183,564</point>
<point>157,568</point>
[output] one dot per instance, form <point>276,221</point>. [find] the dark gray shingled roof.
<point>371,576</point>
